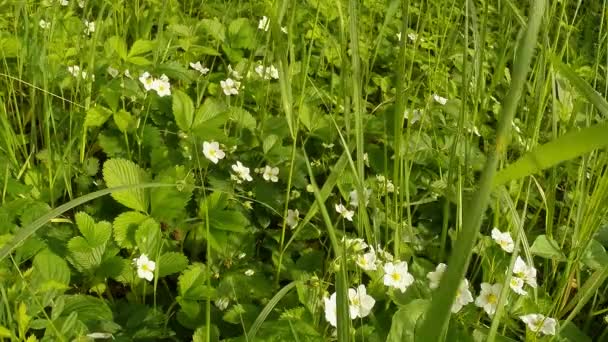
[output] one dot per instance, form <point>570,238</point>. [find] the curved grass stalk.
<point>29,230</point>
<point>438,315</point>
<point>253,330</point>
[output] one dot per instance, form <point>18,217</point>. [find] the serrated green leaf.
<point>210,109</point>
<point>96,234</point>
<point>228,220</point>
<point>183,110</point>
<point>192,283</point>
<point>200,334</point>
<point>4,332</point>
<point>148,237</point>
<point>89,309</point>
<point>116,45</point>
<point>111,267</point>
<point>125,226</point>
<point>214,28</point>
<point>141,46</point>
<point>97,116</point>
<point>118,172</point>
<point>83,256</point>
<point>405,321</point>
<point>243,118</point>
<point>269,142</point>
<point>123,120</point>
<point>170,263</point>
<point>50,268</point>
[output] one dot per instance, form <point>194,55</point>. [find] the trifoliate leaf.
<point>97,116</point>
<point>170,263</point>
<point>192,283</point>
<point>118,172</point>
<point>125,226</point>
<point>95,234</point>
<point>50,271</point>
<point>89,309</point>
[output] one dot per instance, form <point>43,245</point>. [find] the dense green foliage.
<point>303,170</point>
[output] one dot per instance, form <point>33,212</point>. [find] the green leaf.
<point>95,234</point>
<point>125,226</point>
<point>242,34</point>
<point>572,333</point>
<point>269,142</point>
<point>89,309</point>
<point>595,256</point>
<point>4,332</point>
<point>214,28</point>
<point>116,45</point>
<point>547,248</point>
<point>83,256</point>
<point>228,220</point>
<point>405,321</point>
<point>183,110</point>
<point>148,238</point>
<point>242,118</point>
<point>192,283</point>
<point>118,172</point>
<point>170,263</point>
<point>200,334</point>
<point>97,116</point>
<point>168,204</point>
<point>138,60</point>
<point>210,109</point>
<point>50,271</point>
<point>583,87</point>
<point>123,120</point>
<point>568,146</point>
<point>141,46</point>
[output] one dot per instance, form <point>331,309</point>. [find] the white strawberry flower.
<point>356,245</point>
<point>397,276</point>
<point>463,296</point>
<point>145,267</point>
<point>504,240</point>
<point>488,297</point>
<point>64,2</point>
<point>242,172</point>
<point>271,174</point>
<point>540,323</point>
<point>249,272</point>
<point>331,310</point>
<point>367,261</point>
<point>347,214</point>
<point>44,24</point>
<point>89,27</point>
<point>517,285</point>
<point>264,23</point>
<point>212,151</point>
<point>147,80</point>
<point>360,303</point>
<point>199,67</point>
<point>441,100</point>
<point>230,86</point>
<point>222,303</point>
<point>292,218</point>
<point>162,86</point>
<point>435,276</point>
<point>112,72</point>
<point>234,73</point>
<point>525,272</point>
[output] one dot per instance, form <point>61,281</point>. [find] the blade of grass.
<point>436,320</point>
<point>341,281</point>
<point>568,146</point>
<point>253,330</point>
<point>27,231</point>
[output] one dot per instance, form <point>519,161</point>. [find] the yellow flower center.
<point>396,276</point>
<point>492,298</point>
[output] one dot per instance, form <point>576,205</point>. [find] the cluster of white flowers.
<point>200,68</point>
<point>269,173</point>
<point>267,72</point>
<point>160,85</point>
<point>385,184</point>
<point>360,304</point>
<point>230,86</point>
<point>522,274</point>
<point>44,24</point>
<point>76,72</point>
<point>539,323</point>
<point>241,173</point>
<point>89,27</point>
